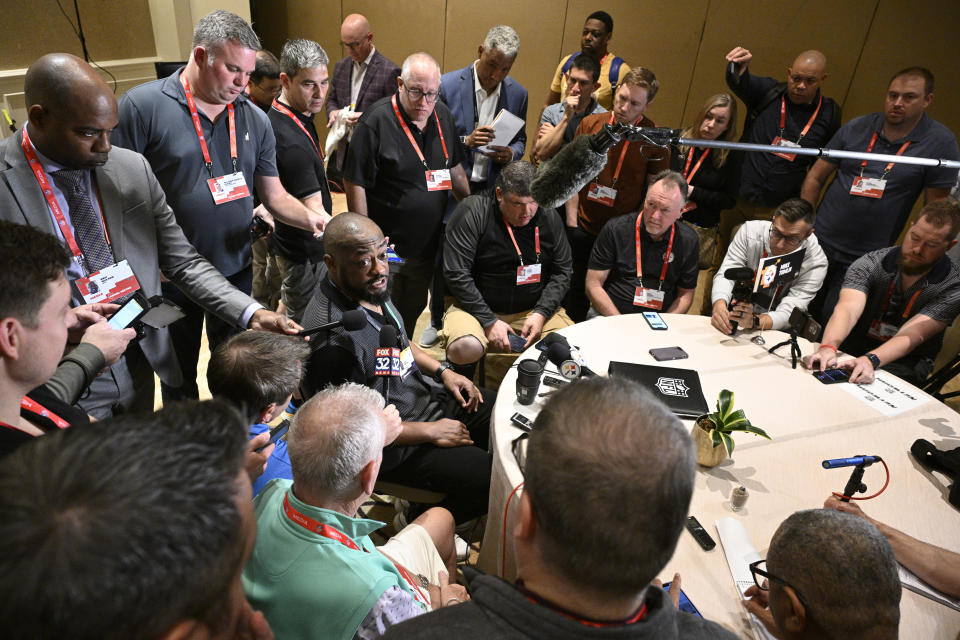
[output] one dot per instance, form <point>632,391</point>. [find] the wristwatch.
<point>438,374</point>
<point>874,360</point>
<point>756,321</point>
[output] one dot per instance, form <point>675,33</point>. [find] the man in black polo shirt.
<point>788,114</point>
<point>668,254</point>
<point>303,74</point>
<point>403,160</point>
<point>443,446</point>
<point>508,266</point>
<point>896,303</point>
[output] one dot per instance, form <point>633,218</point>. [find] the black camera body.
<point>803,325</point>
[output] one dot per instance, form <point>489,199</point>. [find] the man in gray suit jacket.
<point>108,208</point>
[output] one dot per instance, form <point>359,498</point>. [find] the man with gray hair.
<point>209,146</point>
<point>403,160</point>
<point>589,575</point>
<point>507,266</point>
<point>315,571</point>
<point>303,75</point>
<point>827,575</point>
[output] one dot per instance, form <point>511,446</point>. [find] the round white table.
<point>807,421</point>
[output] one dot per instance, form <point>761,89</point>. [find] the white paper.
<point>915,584</point>
<point>887,394</point>
<point>740,553</point>
<point>505,127</point>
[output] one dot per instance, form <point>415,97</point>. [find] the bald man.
<point>788,114</point>
<point>443,446</point>
<point>359,80</point>
<point>404,160</point>
<point>109,210</point>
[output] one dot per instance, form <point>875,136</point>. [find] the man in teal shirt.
<point>314,571</point>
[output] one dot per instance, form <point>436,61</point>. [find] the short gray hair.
<point>333,436</point>
<point>301,54</point>
<point>414,58</point>
<point>516,178</point>
<point>218,26</point>
<point>843,568</point>
<point>504,39</point>
<point>675,178</point>
<point>605,446</point>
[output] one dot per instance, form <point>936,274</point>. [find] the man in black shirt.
<point>403,159</point>
<point>443,446</point>
<point>303,74</point>
<point>667,261</point>
<point>507,265</point>
<point>791,114</point>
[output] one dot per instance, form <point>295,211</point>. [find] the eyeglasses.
<point>353,45</point>
<point>759,568</point>
<point>416,94</point>
<point>790,241</point>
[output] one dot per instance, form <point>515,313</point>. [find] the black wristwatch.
<point>756,321</point>
<point>438,374</point>
<point>874,360</point>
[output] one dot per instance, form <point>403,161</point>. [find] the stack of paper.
<point>740,552</point>
<point>505,127</point>
<point>910,581</point>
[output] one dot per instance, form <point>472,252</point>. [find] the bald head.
<point>58,80</point>
<point>71,111</point>
<point>349,232</point>
<point>356,37</point>
<point>804,78</point>
<point>356,257</point>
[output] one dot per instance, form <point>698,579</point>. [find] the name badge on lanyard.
<point>780,141</point>
<point>873,187</point>
<point>602,195</point>
<point>528,274</point>
<point>883,331</point>
<point>108,284</point>
<point>645,297</point>
<point>439,180</point>
<point>650,298</point>
<point>407,364</point>
<point>228,187</point>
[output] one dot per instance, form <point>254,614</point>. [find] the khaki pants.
<point>458,323</point>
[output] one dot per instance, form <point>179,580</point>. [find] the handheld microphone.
<point>352,320</point>
<point>386,356</point>
<point>560,354</point>
<point>856,461</point>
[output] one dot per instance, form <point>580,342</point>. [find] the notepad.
<point>740,552</point>
<point>910,581</point>
<point>505,127</point>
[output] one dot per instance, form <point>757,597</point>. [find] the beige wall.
<point>683,41</point>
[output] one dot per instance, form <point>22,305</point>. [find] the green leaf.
<point>725,403</point>
<point>736,421</point>
<point>715,435</point>
<point>727,443</point>
<point>756,431</point>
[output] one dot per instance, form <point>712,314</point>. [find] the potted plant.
<point>713,430</point>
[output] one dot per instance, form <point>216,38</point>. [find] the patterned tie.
<point>86,222</point>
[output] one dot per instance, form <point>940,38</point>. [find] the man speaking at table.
<point>646,261</point>
<point>507,266</point>
<point>896,303</point>
<point>790,230</point>
<point>586,556</point>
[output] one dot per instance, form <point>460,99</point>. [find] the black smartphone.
<point>700,534</point>
<point>832,376</point>
<point>275,434</point>
<point>668,353</point>
<point>131,311</point>
<point>655,320</point>
<point>522,422</point>
<point>684,604</point>
<point>517,343</point>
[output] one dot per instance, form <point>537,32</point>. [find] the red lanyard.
<point>416,147</point>
<point>623,154</point>
<point>333,533</point>
<point>783,117</point>
<point>199,129</point>
<point>687,174</point>
<point>45,186</point>
<point>36,408</point>
<point>282,109</point>
<point>886,301</point>
<point>873,141</point>
<point>536,240</point>
<point>666,256</point>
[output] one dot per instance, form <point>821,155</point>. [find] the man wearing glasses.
<point>359,80</point>
<point>405,157</point>
<point>790,230</point>
<point>827,575</point>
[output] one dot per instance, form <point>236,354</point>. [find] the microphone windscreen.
<point>558,352</point>
<point>354,320</point>
<point>552,338</point>
<point>738,273</point>
<point>388,335</point>
<point>561,177</point>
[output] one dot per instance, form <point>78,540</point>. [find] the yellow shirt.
<point>604,94</point>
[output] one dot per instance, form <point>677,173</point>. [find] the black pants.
<point>186,332</point>
<point>822,305</point>
<point>576,302</point>
<point>463,473</point>
<point>408,288</point>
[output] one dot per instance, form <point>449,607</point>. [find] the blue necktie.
<point>87,227</point>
